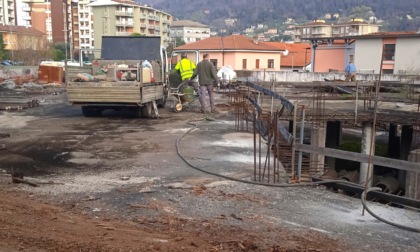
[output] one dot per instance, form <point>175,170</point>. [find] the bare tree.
<point>29,49</point>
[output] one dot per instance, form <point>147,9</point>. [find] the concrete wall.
<point>368,54</point>
<point>7,72</point>
<point>308,76</point>
<point>407,55</point>
<point>328,58</point>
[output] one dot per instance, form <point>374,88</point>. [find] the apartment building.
<point>126,17</point>
<point>7,12</point>
<point>52,17</point>
<point>321,29</point>
<point>82,32</point>
<point>374,53</point>
<point>189,31</point>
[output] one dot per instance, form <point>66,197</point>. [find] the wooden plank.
<point>124,94</point>
<point>359,157</point>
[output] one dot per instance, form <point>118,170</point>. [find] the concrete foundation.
<point>318,136</point>
<point>412,187</point>
<point>366,173</point>
<point>333,140</point>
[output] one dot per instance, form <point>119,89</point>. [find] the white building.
<point>7,12</point>
<point>189,31</point>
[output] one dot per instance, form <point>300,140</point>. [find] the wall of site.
<point>286,76</point>
<point>7,72</point>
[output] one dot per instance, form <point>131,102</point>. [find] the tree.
<point>136,34</point>
<point>3,52</point>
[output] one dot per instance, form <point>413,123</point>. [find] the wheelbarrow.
<point>183,96</point>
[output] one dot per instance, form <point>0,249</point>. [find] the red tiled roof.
<point>232,42</point>
<point>20,30</point>
<point>296,56</point>
<point>392,33</point>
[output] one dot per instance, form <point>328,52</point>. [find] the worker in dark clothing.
<point>206,78</point>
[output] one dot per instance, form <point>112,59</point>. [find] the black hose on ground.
<point>242,180</point>
<point>412,229</point>
<point>290,185</point>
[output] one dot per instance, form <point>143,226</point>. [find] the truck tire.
<point>161,102</point>
<point>146,110</point>
<point>91,112</point>
<point>137,112</point>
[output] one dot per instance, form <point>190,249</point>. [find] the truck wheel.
<point>91,112</point>
<point>161,102</point>
<point>146,110</point>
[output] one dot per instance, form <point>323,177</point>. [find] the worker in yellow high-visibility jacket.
<point>186,68</point>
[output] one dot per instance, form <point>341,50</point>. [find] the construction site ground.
<point>117,183</point>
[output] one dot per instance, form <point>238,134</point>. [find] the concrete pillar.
<point>412,183</point>
<point>291,126</point>
<point>366,145</point>
<point>318,136</point>
<point>406,140</point>
<point>333,140</point>
<point>405,148</point>
<point>393,142</point>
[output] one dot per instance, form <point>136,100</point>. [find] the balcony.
<point>26,9</point>
<point>124,23</point>
<point>165,21</point>
<point>318,32</point>
<point>124,13</point>
<point>123,33</point>
<point>26,18</point>
<point>157,28</point>
<point>143,25</point>
<point>151,27</point>
<point>143,16</point>
<point>165,29</point>
<point>152,17</point>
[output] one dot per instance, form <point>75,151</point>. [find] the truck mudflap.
<point>152,93</point>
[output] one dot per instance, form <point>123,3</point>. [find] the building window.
<point>389,51</point>
<point>270,63</point>
<point>388,71</point>
<point>244,64</point>
<point>257,64</point>
<point>214,61</point>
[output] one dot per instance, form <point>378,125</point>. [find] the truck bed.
<point>106,92</point>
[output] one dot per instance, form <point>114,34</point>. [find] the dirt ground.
<point>117,183</point>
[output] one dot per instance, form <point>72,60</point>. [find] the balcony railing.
<point>123,23</point>
<point>124,13</point>
<point>143,25</point>
<point>143,16</point>
<point>123,33</point>
<point>151,27</point>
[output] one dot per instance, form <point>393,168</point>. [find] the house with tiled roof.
<point>322,29</point>
<point>22,37</point>
<point>380,52</point>
<point>238,51</point>
<point>189,31</point>
<point>297,58</point>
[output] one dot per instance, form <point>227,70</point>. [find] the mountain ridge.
<point>396,16</point>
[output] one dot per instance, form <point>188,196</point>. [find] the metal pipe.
<point>302,131</point>
<point>293,140</point>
